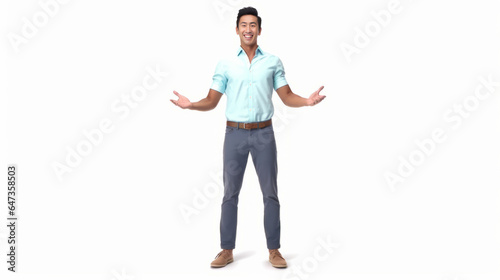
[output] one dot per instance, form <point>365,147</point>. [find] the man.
<point>248,80</point>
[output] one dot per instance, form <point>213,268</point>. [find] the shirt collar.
<point>240,50</point>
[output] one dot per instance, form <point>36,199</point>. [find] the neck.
<point>249,50</point>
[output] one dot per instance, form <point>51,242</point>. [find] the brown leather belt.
<point>253,125</point>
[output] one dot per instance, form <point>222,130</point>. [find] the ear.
<point>260,30</point>
<point>237,33</point>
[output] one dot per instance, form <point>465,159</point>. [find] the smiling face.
<point>248,29</point>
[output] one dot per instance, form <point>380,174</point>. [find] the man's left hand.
<point>315,98</point>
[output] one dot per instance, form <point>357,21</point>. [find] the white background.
<point>117,215</point>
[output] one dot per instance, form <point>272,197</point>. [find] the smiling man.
<point>248,80</point>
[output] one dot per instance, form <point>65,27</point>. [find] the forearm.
<point>294,100</point>
<point>204,104</point>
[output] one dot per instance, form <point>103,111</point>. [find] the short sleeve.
<point>279,75</point>
<point>219,80</point>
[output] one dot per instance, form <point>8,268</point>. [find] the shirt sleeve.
<point>219,82</point>
<point>279,75</point>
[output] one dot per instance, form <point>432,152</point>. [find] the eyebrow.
<point>246,22</point>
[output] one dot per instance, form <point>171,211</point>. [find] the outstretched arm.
<point>293,100</point>
<point>206,104</point>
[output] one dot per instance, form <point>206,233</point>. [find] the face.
<point>248,30</point>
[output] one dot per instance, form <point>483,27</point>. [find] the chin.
<point>249,43</point>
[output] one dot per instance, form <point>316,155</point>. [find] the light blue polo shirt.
<point>249,86</point>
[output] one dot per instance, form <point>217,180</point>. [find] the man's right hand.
<point>182,102</point>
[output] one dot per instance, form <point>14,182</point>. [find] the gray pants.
<point>261,144</point>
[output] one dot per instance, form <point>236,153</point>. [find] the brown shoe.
<point>276,259</point>
<point>223,258</point>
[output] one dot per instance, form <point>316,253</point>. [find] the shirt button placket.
<point>250,93</point>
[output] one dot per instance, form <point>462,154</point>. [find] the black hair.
<point>249,11</point>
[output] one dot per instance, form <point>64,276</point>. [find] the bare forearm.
<point>204,104</point>
<point>294,100</point>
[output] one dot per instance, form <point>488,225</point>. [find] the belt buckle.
<point>244,125</point>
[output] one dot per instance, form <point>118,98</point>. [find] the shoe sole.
<point>222,265</point>
<point>279,265</point>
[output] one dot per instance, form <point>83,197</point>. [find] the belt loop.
<point>237,125</point>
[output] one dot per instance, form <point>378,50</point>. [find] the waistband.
<point>252,125</point>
